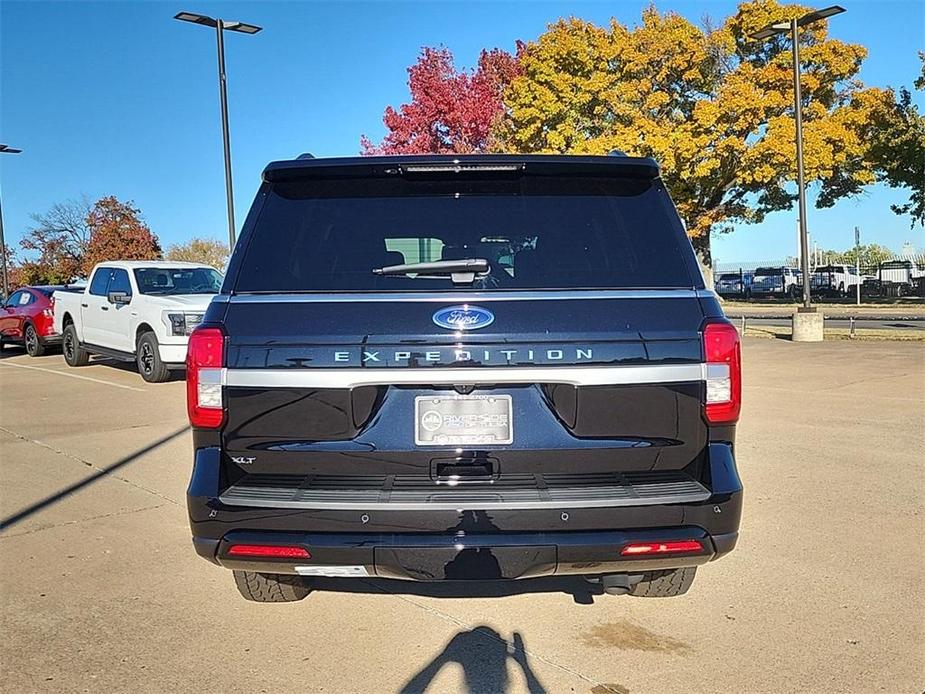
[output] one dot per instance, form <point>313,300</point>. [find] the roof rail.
<point>306,155</point>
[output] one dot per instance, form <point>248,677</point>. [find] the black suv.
<point>481,367</point>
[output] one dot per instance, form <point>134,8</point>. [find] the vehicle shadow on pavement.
<point>10,351</point>
<point>483,655</point>
<point>132,368</point>
<point>62,494</point>
<point>582,591</point>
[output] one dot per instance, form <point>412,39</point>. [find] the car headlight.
<point>182,323</point>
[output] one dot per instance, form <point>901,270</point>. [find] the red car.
<point>27,318</point>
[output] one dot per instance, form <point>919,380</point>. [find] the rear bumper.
<point>471,557</point>
<point>467,543</point>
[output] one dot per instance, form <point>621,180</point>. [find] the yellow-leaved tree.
<point>711,105</point>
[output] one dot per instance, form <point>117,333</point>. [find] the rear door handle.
<point>104,308</point>
<point>84,305</point>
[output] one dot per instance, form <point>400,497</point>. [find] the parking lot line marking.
<point>82,378</point>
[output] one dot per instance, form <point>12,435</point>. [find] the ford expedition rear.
<point>463,368</point>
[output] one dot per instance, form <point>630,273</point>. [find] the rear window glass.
<point>535,233</point>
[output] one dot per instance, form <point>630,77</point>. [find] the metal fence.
<point>901,275</point>
<point>821,259</point>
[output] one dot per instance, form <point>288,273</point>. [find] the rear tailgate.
<point>598,383</point>
<point>577,370</point>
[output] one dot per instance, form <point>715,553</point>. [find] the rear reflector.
<point>270,551</point>
<point>724,373</point>
<point>647,548</point>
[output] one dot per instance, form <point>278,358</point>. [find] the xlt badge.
<point>463,317</point>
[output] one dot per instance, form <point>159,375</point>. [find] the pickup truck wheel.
<point>34,346</point>
<point>150,366</point>
<point>664,584</point>
<point>260,587</point>
<point>74,354</point>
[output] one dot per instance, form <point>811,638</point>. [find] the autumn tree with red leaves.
<point>451,111</point>
<point>56,243</point>
<point>118,233</point>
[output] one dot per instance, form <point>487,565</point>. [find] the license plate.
<point>463,420</point>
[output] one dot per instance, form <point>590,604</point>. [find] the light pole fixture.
<point>5,149</point>
<point>220,26</point>
<point>793,26</point>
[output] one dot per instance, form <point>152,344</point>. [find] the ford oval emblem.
<point>463,317</point>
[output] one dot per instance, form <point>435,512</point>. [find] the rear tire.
<point>664,584</point>
<point>34,346</point>
<point>74,354</point>
<point>260,587</point>
<point>148,358</point>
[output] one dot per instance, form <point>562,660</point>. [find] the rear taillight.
<point>723,373</point>
<point>204,361</point>
<point>648,548</point>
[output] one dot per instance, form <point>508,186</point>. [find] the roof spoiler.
<point>461,165</point>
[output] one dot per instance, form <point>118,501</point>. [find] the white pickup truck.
<point>835,280</point>
<point>141,311</point>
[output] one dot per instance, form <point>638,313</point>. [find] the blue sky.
<point>119,99</point>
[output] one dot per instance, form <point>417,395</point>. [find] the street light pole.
<point>807,325</point>
<point>220,27</point>
<point>226,137</point>
<point>857,261</point>
<point>801,184</point>
<point>5,149</point>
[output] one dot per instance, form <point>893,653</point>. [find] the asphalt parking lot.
<point>101,590</point>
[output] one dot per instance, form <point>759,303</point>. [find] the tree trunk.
<point>704,257</point>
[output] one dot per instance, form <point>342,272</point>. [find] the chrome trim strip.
<point>462,297</point>
<point>572,375</point>
<point>211,376</point>
<point>366,505</point>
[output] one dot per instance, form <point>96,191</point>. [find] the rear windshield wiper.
<point>463,271</point>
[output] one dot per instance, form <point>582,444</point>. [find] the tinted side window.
<point>100,281</point>
<point>14,299</point>
<point>120,282</point>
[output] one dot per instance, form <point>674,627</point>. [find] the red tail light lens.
<point>723,373</point>
<point>204,359</point>
<point>648,548</point>
<point>269,551</point>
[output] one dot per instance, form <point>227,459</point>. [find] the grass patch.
<point>912,306</point>
<point>860,334</point>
